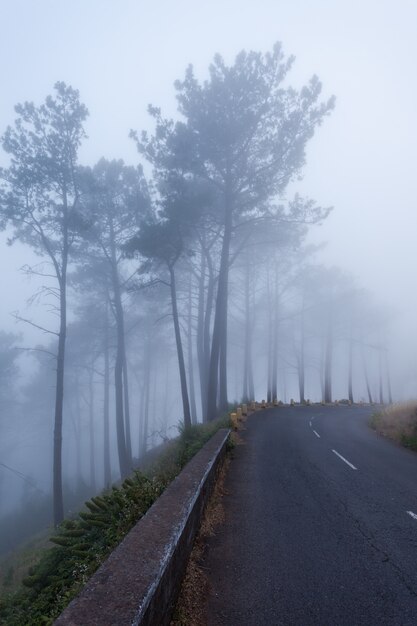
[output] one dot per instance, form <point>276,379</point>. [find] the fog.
<point>319,297</point>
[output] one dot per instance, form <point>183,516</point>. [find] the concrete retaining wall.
<point>139,583</point>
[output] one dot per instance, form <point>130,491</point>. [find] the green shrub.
<point>8,577</point>
<point>409,441</point>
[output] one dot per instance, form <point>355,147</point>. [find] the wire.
<point>23,477</point>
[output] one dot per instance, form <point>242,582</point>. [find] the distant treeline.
<point>204,262</point>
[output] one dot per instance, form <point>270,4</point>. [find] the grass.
<point>56,574</point>
<point>399,423</point>
<point>14,566</point>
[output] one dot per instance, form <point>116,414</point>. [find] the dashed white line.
<point>316,433</point>
<point>345,460</point>
<point>413,515</point>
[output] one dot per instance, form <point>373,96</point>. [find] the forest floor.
<point>15,565</point>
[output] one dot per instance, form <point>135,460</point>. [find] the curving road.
<point>321,525</point>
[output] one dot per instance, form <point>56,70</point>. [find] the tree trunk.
<point>368,388</point>
<point>125,455</point>
<point>154,407</point>
<point>91,433</point>
<point>284,380</point>
<point>126,406</point>
<point>301,372</point>
<point>190,355</point>
<point>350,374</point>
<point>165,403</point>
<point>269,370</point>
<point>251,385</point>
<point>223,399</point>
<point>76,426</point>
<point>207,330</point>
<point>180,353</point>
<point>58,499</point>
<point>328,362</point>
<point>219,339</point>
<point>269,338</point>
<point>274,372</point>
<point>388,378</point>
<point>365,369</point>
<point>146,394</point>
<point>301,381</point>
<point>301,365</point>
<point>381,392</point>
<point>141,419</point>
<point>247,348</point>
<point>202,369</point>
<point>106,408</point>
<point>250,329</point>
<point>321,371</point>
<point>120,430</point>
<point>274,366</point>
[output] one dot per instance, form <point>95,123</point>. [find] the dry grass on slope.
<point>192,601</point>
<point>399,423</point>
<point>190,610</point>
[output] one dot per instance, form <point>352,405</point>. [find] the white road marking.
<point>345,460</point>
<point>316,433</point>
<point>310,423</point>
<point>413,515</point>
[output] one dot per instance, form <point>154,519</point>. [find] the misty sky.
<point>123,55</point>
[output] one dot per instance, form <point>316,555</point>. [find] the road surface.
<point>321,525</point>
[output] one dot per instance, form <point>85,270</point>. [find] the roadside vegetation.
<point>399,423</point>
<point>59,568</point>
<point>191,605</point>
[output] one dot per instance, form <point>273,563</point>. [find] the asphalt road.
<point>321,525</point>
